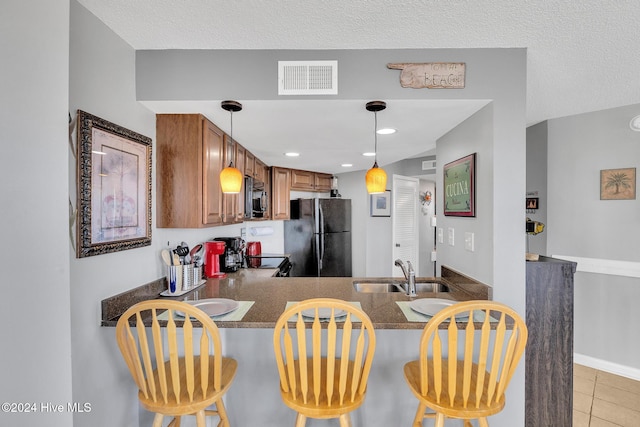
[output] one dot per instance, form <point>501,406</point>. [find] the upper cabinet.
<point>232,204</point>
<point>189,157</point>
<point>310,181</point>
<point>280,187</point>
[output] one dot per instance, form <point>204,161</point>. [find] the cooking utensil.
<point>181,251</point>
<point>196,255</point>
<point>176,259</point>
<point>166,256</point>
<point>187,257</point>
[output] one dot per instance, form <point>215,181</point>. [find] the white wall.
<point>35,360</point>
<point>581,225</point>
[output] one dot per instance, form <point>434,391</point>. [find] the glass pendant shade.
<point>376,180</point>
<point>231,180</point>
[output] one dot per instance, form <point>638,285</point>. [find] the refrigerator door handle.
<point>319,256</point>
<point>321,218</point>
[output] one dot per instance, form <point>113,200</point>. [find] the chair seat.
<point>324,408</point>
<point>199,401</point>
<point>457,409</point>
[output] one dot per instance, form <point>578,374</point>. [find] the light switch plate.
<point>440,235</point>
<point>469,243</point>
<point>451,234</point>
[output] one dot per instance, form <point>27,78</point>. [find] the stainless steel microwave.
<point>255,198</point>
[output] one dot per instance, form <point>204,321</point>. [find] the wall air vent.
<point>428,165</point>
<point>307,77</point>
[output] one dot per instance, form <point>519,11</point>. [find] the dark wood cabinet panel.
<point>549,352</point>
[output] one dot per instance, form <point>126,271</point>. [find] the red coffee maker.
<point>213,250</point>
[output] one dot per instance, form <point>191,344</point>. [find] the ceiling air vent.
<point>307,77</point>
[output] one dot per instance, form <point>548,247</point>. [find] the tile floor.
<point>601,399</point>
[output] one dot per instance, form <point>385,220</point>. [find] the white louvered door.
<point>405,221</point>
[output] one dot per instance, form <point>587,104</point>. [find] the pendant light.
<point>230,177</point>
<point>376,178</point>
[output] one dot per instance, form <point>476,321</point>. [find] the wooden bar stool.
<point>323,375</point>
<point>170,383</point>
<point>465,376</point>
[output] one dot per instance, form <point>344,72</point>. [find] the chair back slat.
<point>162,361</point>
<point>474,369</point>
<point>331,356</point>
<point>329,368</point>
<point>452,362</point>
<point>468,359</point>
<point>156,331</point>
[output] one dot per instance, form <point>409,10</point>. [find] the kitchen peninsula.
<point>254,399</point>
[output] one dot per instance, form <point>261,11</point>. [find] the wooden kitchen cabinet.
<point>260,170</point>
<point>549,351</point>
<point>310,181</point>
<point>322,182</point>
<point>280,189</point>
<point>250,164</point>
<point>189,159</point>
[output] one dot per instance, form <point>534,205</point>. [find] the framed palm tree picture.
<point>618,184</point>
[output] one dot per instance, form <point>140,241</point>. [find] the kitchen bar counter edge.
<point>272,293</point>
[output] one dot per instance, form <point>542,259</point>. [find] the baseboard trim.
<point>604,266</point>
<point>603,365</point>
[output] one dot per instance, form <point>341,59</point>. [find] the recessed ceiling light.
<point>386,131</point>
<point>292,154</point>
<point>346,165</point>
<point>635,123</point>
<point>369,154</point>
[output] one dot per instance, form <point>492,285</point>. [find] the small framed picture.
<point>381,204</point>
<point>618,184</point>
<point>532,202</point>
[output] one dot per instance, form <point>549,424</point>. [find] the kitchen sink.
<point>377,286</point>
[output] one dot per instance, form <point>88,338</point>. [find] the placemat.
<point>338,319</point>
<point>414,316</point>
<point>234,316</point>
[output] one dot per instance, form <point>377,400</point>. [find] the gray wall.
<point>35,360</point>
<point>537,183</point>
<point>102,72</point>
<point>579,224</point>
<point>474,135</point>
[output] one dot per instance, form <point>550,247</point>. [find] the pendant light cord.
<point>232,153</point>
<point>375,137</point>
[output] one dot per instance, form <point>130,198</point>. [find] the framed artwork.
<point>459,187</point>
<point>113,186</point>
<point>381,204</point>
<point>532,203</point>
<point>618,184</point>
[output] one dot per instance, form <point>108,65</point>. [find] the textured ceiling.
<point>582,56</point>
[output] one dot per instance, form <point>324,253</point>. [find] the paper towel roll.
<point>261,231</point>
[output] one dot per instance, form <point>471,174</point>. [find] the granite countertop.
<point>271,295</point>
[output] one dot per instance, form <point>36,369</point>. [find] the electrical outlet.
<point>451,234</point>
<point>469,243</point>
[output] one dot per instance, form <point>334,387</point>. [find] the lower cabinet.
<point>549,352</point>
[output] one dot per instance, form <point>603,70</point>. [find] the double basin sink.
<point>397,286</point>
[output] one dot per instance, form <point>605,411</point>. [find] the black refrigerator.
<point>318,237</point>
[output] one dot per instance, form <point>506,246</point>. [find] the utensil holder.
<point>174,278</point>
<point>187,276</point>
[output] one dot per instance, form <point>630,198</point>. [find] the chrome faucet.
<point>410,276</point>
